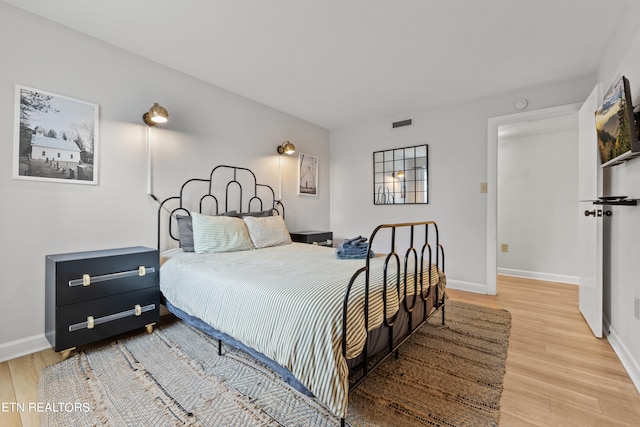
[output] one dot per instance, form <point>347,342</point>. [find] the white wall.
<point>537,194</point>
<point>208,126</point>
<point>622,269</point>
<point>457,138</point>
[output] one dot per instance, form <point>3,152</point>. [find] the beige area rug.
<point>445,376</point>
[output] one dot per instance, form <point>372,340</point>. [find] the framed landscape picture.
<point>307,175</point>
<point>55,138</point>
<point>615,126</point>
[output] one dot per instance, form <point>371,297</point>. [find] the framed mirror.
<point>400,176</point>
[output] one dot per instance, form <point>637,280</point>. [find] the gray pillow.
<point>268,212</point>
<point>185,230</point>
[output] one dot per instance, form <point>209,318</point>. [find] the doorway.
<point>537,193</point>
<point>494,124</point>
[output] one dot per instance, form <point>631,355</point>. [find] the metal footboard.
<point>423,247</point>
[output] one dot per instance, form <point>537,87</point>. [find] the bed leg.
<point>443,305</point>
<point>219,348</point>
<point>342,422</point>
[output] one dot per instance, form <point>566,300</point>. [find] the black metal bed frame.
<point>209,195</point>
<point>422,286</point>
<point>419,295</point>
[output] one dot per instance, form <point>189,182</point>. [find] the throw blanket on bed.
<point>286,303</point>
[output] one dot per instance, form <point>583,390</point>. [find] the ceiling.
<point>335,62</point>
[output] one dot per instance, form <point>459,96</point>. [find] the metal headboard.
<point>224,183</point>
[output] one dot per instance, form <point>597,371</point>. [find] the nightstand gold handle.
<point>142,271</point>
<point>138,310</point>
<point>86,280</point>
<point>90,323</point>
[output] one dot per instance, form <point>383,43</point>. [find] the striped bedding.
<point>286,303</point>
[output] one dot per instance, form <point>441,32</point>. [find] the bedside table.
<point>322,238</point>
<point>98,294</point>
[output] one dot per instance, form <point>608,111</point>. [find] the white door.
<point>591,217</point>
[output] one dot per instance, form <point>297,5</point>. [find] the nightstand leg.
<point>66,353</point>
<point>150,327</point>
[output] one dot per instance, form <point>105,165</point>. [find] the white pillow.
<point>219,234</point>
<point>267,231</point>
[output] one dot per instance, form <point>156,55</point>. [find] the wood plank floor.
<point>557,372</point>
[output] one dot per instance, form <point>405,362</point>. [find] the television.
<point>616,126</point>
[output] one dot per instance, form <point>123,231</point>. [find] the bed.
<point>320,322</point>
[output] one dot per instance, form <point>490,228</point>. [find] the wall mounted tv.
<point>616,126</point>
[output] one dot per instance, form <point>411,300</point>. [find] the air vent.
<point>402,123</point>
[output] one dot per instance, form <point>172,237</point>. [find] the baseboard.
<point>467,286</point>
<point>549,277</point>
<point>23,346</point>
<point>630,365</point>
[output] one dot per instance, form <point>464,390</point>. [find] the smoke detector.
<point>521,104</point>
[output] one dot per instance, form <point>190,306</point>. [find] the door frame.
<point>493,123</point>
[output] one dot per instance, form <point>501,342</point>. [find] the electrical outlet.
<point>483,187</point>
<point>505,247</point>
<point>636,307</point>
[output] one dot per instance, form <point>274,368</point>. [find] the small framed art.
<point>307,174</point>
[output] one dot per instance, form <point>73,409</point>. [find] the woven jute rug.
<point>445,376</point>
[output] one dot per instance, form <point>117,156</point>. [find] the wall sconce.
<point>156,115</point>
<point>286,148</point>
<point>399,174</point>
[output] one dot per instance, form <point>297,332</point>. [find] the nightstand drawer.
<point>89,275</point>
<point>324,238</point>
<point>85,322</point>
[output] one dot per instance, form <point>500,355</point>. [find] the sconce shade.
<point>286,148</point>
<point>400,174</point>
<point>156,114</point>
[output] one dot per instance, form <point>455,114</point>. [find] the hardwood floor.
<point>557,372</point>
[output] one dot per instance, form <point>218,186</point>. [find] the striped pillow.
<point>267,231</point>
<point>219,234</point>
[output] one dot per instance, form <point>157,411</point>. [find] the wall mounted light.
<point>156,115</point>
<point>286,148</point>
<point>399,174</point>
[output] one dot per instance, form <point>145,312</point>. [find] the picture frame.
<point>307,174</point>
<point>616,129</point>
<point>55,138</point>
